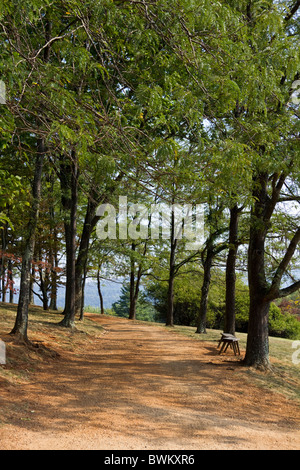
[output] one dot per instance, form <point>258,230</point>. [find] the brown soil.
<point>143,387</point>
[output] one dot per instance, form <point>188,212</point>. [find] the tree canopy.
<point>177,103</point>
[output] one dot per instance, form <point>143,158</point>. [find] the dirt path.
<point>142,387</point>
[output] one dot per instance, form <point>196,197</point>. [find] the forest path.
<point>145,387</point>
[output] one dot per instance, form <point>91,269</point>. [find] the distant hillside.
<point>110,291</point>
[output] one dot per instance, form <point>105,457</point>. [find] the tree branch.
<point>57,38</point>
<point>277,185</point>
<point>289,290</point>
<point>292,11</point>
<point>274,290</point>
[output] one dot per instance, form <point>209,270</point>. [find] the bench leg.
<point>234,346</point>
<point>222,347</point>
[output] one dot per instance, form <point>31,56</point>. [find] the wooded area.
<point>163,102</point>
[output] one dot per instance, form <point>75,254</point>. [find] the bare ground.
<point>142,387</point>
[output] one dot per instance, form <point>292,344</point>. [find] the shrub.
<point>144,310</point>
<point>187,304</point>
<point>242,311</point>
<point>283,325</point>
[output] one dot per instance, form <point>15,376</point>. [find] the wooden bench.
<point>229,340</point>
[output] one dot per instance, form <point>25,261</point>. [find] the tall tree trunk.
<point>69,182</point>
<point>32,280</point>
<point>53,295</point>
<point>135,282</point>
<point>43,281</point>
<point>81,316</point>
<point>100,291</point>
<point>4,285</point>
<point>132,299</point>
<point>11,281</point>
<point>172,269</point>
<point>53,253</point>
<point>211,250</point>
<point>3,259</point>
<point>132,308</point>
<point>229,324</point>
<point>170,300</point>
<point>257,350</point>
<point>21,323</point>
<point>81,262</point>
<point>135,294</point>
<point>90,223</point>
<point>201,321</point>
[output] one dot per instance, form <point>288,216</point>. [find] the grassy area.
<point>38,318</point>
<point>48,338</point>
<point>285,375</point>
<point>91,309</point>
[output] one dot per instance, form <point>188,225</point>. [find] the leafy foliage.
<point>175,102</point>
<point>145,310</point>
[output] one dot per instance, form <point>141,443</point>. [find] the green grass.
<point>39,318</point>
<point>46,335</point>
<point>91,309</point>
<point>284,376</point>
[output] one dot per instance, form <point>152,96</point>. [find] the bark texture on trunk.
<point>201,321</point>
<point>100,291</point>
<point>81,262</point>
<point>257,349</point>
<point>90,222</point>
<point>21,323</point>
<point>172,271</point>
<point>229,323</point>
<point>261,291</point>
<point>69,183</point>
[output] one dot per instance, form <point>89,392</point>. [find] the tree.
<point>34,56</point>
<point>276,146</point>
<point>263,292</point>
<point>213,246</point>
<point>144,310</point>
<point>177,105</point>
<point>69,182</point>
<point>21,323</point>
<point>233,241</point>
